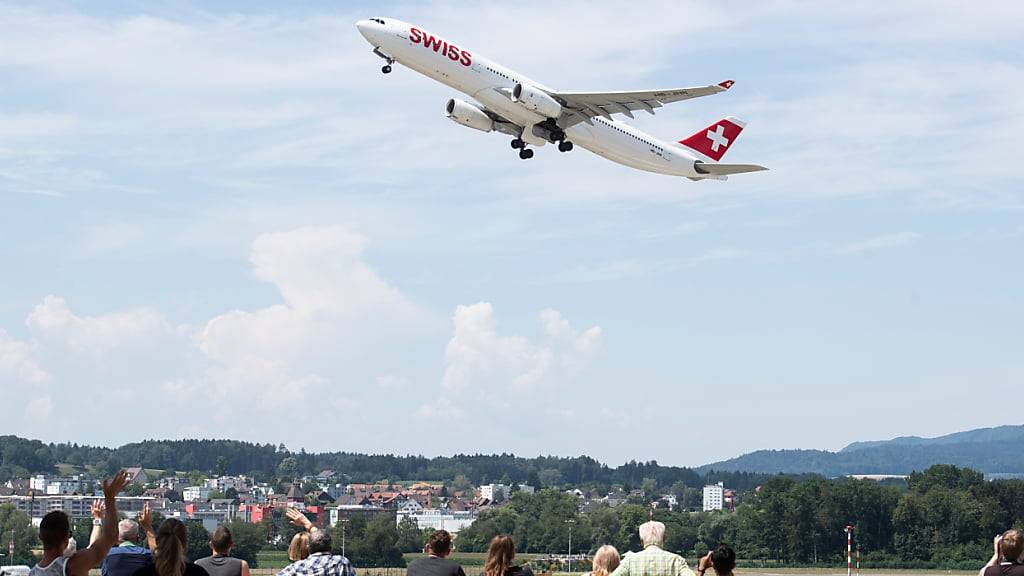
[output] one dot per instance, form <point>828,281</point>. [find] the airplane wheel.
<point>518,143</point>
<point>386,69</point>
<point>558,136</point>
<point>526,153</point>
<point>564,146</point>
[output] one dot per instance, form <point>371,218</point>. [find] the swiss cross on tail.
<point>714,140</point>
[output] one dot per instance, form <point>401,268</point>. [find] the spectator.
<point>653,561</point>
<point>60,558</point>
<point>1007,550</point>
<point>299,547</point>
<point>169,557</point>
<point>321,562</point>
<point>606,560</point>
<point>221,563</point>
<point>128,556</point>
<point>499,559</point>
<point>439,547</point>
<point>722,559</point>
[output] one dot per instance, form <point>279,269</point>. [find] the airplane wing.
<point>582,106</point>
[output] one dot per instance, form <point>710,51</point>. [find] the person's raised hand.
<point>146,518</point>
<point>97,509</point>
<point>995,544</point>
<point>298,518</point>
<point>113,487</point>
<point>705,562</point>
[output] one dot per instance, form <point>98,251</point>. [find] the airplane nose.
<point>362,26</point>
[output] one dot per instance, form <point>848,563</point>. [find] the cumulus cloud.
<point>332,343</point>
<point>485,362</point>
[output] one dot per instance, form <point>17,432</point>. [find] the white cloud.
<point>882,242</point>
<point>481,361</point>
<point>17,364</point>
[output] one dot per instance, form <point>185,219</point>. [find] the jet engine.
<point>536,100</point>
<point>468,115</point>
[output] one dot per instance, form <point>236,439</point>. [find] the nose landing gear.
<point>387,67</point>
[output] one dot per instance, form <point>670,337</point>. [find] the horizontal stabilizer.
<point>726,169</point>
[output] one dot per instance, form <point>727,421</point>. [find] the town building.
<point>495,492</point>
<point>437,519</point>
<point>195,493</point>
<point>714,495</point>
<point>76,506</point>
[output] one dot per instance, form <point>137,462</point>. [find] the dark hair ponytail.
<point>171,544</point>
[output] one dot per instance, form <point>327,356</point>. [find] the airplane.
<point>534,115</point>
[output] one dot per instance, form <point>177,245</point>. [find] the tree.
<point>198,540</point>
<point>550,478</point>
<point>288,468</point>
<point>410,537</point>
<point>16,524</point>
<point>221,467</point>
<point>249,540</point>
<point>378,546</point>
<point>173,496</point>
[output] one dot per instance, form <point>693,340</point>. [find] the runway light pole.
<point>849,550</point>
<point>570,523</point>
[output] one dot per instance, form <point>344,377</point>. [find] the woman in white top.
<point>59,559</point>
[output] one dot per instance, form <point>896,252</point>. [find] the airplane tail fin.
<point>714,140</point>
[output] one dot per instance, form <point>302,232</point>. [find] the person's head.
<point>171,545</point>
<point>606,560</point>
<point>652,533</point>
<point>319,541</point>
<point>723,559</point>
<point>299,547</point>
<point>221,541</point>
<point>127,530</point>
<point>1012,545</point>
<point>440,543</point>
<point>499,556</point>
<point>55,531</point>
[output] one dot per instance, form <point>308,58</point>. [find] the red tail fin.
<point>714,140</point>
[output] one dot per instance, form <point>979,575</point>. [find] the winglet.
<point>726,84</point>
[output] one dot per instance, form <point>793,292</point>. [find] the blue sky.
<point>214,217</point>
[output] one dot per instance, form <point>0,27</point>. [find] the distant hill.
<point>989,450</point>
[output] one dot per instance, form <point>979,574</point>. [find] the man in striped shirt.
<point>653,560</point>
<point>321,562</point>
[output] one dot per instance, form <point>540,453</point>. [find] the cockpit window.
<point>377,20</point>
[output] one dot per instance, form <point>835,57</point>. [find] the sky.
<point>221,220</point>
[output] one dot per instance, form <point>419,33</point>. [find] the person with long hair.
<point>606,560</point>
<point>499,559</point>
<point>169,558</point>
<point>298,549</point>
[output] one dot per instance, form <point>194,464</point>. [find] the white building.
<point>38,483</point>
<point>223,483</point>
<point>78,506</point>
<point>194,493</point>
<point>526,489</point>
<point>713,496</point>
<point>494,492</point>
<point>442,520</point>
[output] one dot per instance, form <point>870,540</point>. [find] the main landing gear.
<point>563,144</point>
<point>524,152</point>
<point>386,69</point>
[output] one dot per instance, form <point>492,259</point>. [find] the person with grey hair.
<point>653,560</point>
<point>321,561</point>
<point>128,556</point>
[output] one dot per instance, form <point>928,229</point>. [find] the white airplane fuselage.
<point>491,84</point>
